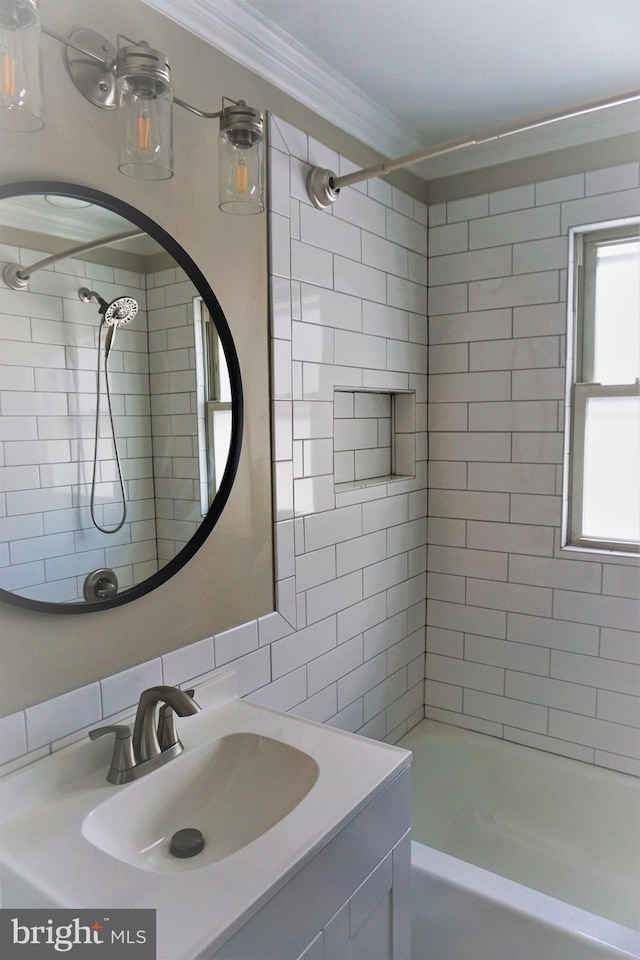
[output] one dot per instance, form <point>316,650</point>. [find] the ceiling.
<point>56,216</point>
<point>448,67</point>
<point>406,74</point>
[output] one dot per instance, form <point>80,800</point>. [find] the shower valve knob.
<point>101,585</point>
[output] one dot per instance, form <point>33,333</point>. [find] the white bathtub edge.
<point>521,899</point>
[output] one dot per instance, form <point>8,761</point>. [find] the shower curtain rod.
<point>17,277</point>
<point>323,186</point>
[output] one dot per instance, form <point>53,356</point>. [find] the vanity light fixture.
<point>136,79</point>
<point>145,116</point>
<point>20,66</point>
<point>241,159</point>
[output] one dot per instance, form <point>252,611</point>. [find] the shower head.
<point>116,314</point>
<point>120,311</point>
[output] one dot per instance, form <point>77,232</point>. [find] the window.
<point>604,449</point>
<point>214,405</point>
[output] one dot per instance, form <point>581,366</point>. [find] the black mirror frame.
<point>194,273</point>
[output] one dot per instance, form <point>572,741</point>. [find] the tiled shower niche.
<point>373,437</point>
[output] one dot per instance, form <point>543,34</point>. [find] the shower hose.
<point>113,436</point>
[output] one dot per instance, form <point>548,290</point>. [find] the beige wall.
<point>40,654</point>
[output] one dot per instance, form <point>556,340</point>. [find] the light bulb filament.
<point>242,175</point>
<point>8,74</point>
<point>144,129</point>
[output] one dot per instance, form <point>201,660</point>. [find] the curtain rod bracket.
<point>320,187</point>
<point>14,277</point>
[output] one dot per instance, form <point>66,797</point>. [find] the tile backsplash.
<point>523,640</point>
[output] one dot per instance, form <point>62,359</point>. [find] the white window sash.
<point>581,393</point>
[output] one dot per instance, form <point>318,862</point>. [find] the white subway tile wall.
<point>525,640</point>
<point>342,319</point>
<point>48,339</point>
<point>47,402</point>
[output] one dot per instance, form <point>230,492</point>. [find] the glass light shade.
<point>241,181</point>
<point>241,160</point>
<point>20,66</point>
<point>145,115</point>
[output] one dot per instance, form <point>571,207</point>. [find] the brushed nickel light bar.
<point>323,186</point>
<point>135,79</point>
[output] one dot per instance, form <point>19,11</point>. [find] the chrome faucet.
<point>151,745</point>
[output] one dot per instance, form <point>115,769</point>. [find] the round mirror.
<point>120,401</point>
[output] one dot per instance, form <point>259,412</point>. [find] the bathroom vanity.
<point>306,829</point>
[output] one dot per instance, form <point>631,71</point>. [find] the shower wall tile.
<point>13,737</point>
<point>618,706</point>
<point>47,397</point>
<point>363,211</point>
<point>623,177</point>
<point>563,627</point>
<point>348,287</point>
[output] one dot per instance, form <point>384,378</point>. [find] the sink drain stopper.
<point>188,842</point>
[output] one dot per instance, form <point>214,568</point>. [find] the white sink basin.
<point>266,789</point>
<point>232,791</point>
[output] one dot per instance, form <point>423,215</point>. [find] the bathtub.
<point>518,854</point>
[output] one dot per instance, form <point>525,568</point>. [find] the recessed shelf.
<point>373,437</point>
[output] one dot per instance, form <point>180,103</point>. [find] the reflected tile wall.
<point>48,403</point>
<point>47,400</point>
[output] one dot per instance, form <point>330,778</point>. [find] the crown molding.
<point>248,37</point>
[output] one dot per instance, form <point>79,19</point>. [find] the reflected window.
<point>604,508</point>
<point>214,404</point>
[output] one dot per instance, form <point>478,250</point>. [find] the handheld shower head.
<point>119,311</point>
<point>117,314</point>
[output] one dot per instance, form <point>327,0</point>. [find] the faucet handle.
<point>167,733</point>
<point>123,757</point>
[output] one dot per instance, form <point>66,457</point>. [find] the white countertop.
<point>44,852</point>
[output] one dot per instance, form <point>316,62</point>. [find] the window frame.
<point>584,242</point>
<point>213,403</point>
<point>209,348</point>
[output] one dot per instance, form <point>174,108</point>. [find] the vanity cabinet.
<point>348,902</point>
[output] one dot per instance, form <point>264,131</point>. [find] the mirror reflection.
<point>115,403</point>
